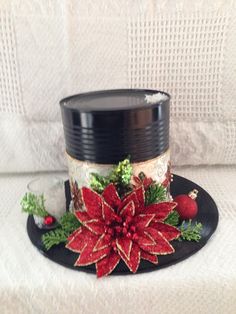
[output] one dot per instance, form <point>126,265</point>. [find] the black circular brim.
<point>107,126</point>
<point>207,215</point>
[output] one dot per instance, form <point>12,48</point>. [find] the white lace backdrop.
<point>50,49</point>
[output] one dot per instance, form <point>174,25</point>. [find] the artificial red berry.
<point>129,235</point>
<point>133,228</point>
<point>48,220</point>
<point>135,236</point>
<point>110,231</point>
<point>124,230</point>
<point>118,229</point>
<point>128,220</point>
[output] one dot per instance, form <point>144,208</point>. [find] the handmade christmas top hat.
<point>105,127</point>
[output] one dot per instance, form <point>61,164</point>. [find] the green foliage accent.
<point>120,176</point>
<point>54,237</point>
<point>173,218</point>
<point>34,204</point>
<point>67,224</point>
<point>98,182</point>
<point>190,231</point>
<point>156,193</point>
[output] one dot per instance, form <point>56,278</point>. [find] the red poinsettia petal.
<point>102,243</point>
<point>141,196</point>
<point>147,182</point>
<point>128,210</point>
<point>165,183</point>
<point>111,196</point>
<point>73,234</point>
<point>128,198</point>
<point>143,220</point>
<point>82,216</point>
<point>108,213</point>
<point>145,238</point>
<point>95,225</point>
<point>134,260</point>
<point>106,265</point>
<point>87,256</point>
<point>149,257</point>
<point>169,232</point>
<point>125,246</point>
<point>162,246</point>
<point>93,202</point>
<point>80,240</point>
<point>137,180</point>
<point>161,210</point>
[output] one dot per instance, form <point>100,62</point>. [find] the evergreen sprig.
<point>34,204</point>
<point>190,231</point>
<point>54,237</point>
<point>155,193</point>
<point>173,218</point>
<point>120,175</point>
<point>67,224</point>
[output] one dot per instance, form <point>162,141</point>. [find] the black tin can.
<point>105,127</point>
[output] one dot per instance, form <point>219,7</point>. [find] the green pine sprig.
<point>172,219</point>
<point>67,224</point>
<point>34,205</point>
<point>155,193</point>
<point>54,237</point>
<point>190,231</point>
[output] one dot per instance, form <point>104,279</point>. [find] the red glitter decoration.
<point>186,205</point>
<point>48,220</point>
<point>142,180</point>
<point>168,176</point>
<point>76,195</point>
<point>115,229</point>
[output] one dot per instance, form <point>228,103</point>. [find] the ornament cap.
<point>193,194</point>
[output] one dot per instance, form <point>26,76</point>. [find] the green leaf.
<point>67,224</point>
<point>156,193</point>
<point>34,204</point>
<point>173,218</point>
<point>190,231</point>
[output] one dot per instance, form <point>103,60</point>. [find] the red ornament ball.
<point>48,220</point>
<point>186,205</point>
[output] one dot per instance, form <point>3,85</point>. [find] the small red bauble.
<point>48,220</point>
<point>186,205</point>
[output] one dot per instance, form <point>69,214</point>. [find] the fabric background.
<point>55,48</point>
<point>50,49</point>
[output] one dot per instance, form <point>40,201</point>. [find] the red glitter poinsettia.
<point>115,229</point>
<point>142,180</point>
<point>76,195</point>
<point>168,176</point>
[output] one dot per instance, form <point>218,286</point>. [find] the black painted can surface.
<point>107,126</point>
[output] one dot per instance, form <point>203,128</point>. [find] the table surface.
<point>204,283</point>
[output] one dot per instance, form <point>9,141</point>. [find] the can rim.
<point>124,90</point>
